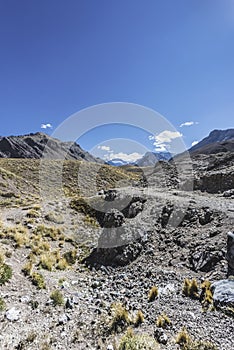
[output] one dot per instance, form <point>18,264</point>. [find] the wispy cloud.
<point>162,141</point>
<point>194,143</point>
<point>46,126</point>
<point>104,148</point>
<point>127,157</point>
<point>188,124</point>
<point>111,154</point>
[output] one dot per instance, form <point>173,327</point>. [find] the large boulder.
<point>113,218</point>
<point>223,293</point>
<point>205,261</point>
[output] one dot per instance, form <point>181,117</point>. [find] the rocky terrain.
<point>41,145</point>
<point>143,263</point>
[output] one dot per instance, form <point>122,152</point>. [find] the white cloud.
<point>131,157</point>
<point>162,141</point>
<point>194,143</point>
<point>104,148</point>
<point>46,126</point>
<point>188,124</point>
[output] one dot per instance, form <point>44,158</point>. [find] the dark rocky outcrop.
<point>40,145</point>
<point>230,253</point>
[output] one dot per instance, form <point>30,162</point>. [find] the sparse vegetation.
<point>32,213</point>
<point>55,218</point>
<point>190,288</point>
<point>120,317</point>
<point>5,273</point>
<point>21,238</point>
<point>70,256</point>
<point>2,304</point>
<point>62,264</point>
<point>57,297</point>
<point>200,345</point>
<point>183,337</point>
<point>163,321</point>
<point>27,268</point>
<point>186,343</point>
<point>139,318</point>
<point>48,260</point>
<point>153,293</point>
<point>38,280</point>
<point>131,341</point>
<point>206,296</point>
<point>90,221</point>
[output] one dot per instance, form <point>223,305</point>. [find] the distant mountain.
<point>35,145</point>
<point>151,158</point>
<point>217,141</point>
<point>118,162</point>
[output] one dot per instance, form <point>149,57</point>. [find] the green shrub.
<point>2,304</point>
<point>38,280</point>
<point>57,297</point>
<point>5,273</point>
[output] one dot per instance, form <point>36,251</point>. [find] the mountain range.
<point>39,144</point>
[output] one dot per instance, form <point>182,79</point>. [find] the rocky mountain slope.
<point>142,263</point>
<point>33,146</point>
<point>217,141</point>
<point>151,158</point>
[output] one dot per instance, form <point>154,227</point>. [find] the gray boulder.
<point>223,293</point>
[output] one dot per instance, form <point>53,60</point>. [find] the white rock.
<point>13,314</point>
<point>63,319</point>
<point>25,299</point>
<point>110,347</point>
<point>65,284</point>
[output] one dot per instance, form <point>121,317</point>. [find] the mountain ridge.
<point>37,145</point>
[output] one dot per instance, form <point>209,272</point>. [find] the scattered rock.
<point>13,314</point>
<point>228,193</point>
<point>63,319</point>
<point>160,336</point>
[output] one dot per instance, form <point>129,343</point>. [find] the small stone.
<point>63,319</point>
<point>69,304</point>
<point>65,284</point>
<point>110,347</point>
<point>25,299</point>
<point>160,336</point>
<point>13,314</point>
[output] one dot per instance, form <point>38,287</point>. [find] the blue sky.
<point>174,56</point>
